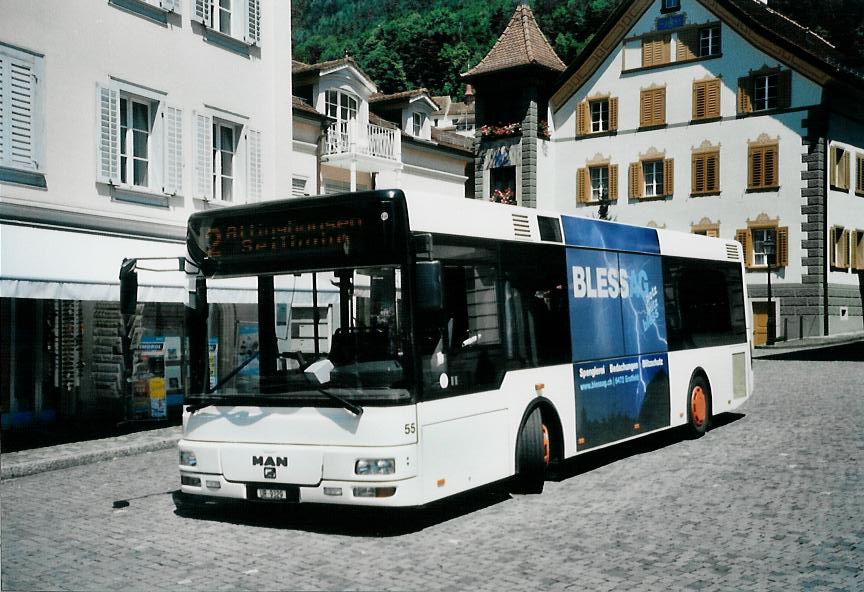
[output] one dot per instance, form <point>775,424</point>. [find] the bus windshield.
<point>303,338</point>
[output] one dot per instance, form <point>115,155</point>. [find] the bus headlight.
<point>187,458</point>
<point>375,466</point>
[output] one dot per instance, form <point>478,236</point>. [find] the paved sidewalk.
<point>50,458</point>
<point>807,343</point>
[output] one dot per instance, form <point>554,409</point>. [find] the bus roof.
<point>471,217</point>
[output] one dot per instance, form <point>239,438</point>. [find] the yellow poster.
<point>157,396</point>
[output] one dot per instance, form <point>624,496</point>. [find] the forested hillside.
<point>404,44</point>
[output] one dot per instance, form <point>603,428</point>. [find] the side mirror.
<point>430,295</point>
<point>128,287</point>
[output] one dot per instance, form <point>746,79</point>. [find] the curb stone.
<point>52,458</point>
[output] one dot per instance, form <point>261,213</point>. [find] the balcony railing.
<point>348,137</point>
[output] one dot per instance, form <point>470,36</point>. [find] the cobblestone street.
<point>770,499</point>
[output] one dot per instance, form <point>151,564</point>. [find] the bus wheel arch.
<point>699,403</point>
<point>539,442</point>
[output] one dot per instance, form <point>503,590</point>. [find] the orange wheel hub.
<point>698,406</point>
<point>547,455</point>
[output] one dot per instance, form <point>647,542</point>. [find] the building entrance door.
<point>760,322</point>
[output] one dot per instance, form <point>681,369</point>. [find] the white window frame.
<point>653,170</point>
<point>299,185</point>
<point>417,121</point>
<point>164,142</point>
<point>600,184</point>
<point>762,84</point>
<point>671,5</point>
<point>126,141</point>
<point>245,18</point>
<point>709,41</point>
<point>760,259</point>
<point>601,123</point>
<point>219,150</point>
<point>247,176</point>
<point>33,156</point>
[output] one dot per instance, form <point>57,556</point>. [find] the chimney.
<point>469,94</point>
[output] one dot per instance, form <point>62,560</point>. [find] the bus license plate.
<point>272,494</point>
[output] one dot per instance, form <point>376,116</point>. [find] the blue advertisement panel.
<point>595,304</point>
<point>643,304</point>
<point>619,398</point>
<point>598,234</point>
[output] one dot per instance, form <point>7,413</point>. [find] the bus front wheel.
<point>698,406</point>
<point>532,454</point>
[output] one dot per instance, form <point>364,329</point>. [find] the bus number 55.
<point>410,428</point>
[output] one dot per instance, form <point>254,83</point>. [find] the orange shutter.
<point>712,232</point>
<point>712,172</point>
<point>712,98</point>
<point>580,185</point>
<point>743,237</point>
<point>844,240</point>
<point>844,171</point>
<point>782,246</point>
<point>668,177</point>
<point>659,115</point>
<point>688,40</point>
<point>645,108</point>
<point>666,50</point>
<point>859,174</point>
<point>581,118</point>
<point>635,179</point>
<point>771,162</point>
<point>613,181</point>
<point>745,92</point>
<point>832,164</point>
<point>613,113</point>
<point>853,258</point>
<point>697,174</point>
<point>699,100</point>
<point>754,168</point>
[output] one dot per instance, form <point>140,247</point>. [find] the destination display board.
<point>300,234</point>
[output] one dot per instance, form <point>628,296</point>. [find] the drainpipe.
<point>825,226</point>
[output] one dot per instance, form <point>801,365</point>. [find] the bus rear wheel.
<point>698,406</point>
<point>532,454</point>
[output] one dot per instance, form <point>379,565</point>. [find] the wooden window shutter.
<point>745,94</point>
<point>613,181</point>
<point>743,237</point>
<point>844,249</point>
<point>204,12</point>
<point>712,98</point>
<point>843,171</point>
<point>108,135</point>
<point>659,116</point>
<point>859,174</point>
<point>754,168</point>
<point>832,164</point>
<point>784,89</point>
<point>700,92</point>
<point>771,160</point>
<point>648,52</point>
<point>853,256</point>
<point>634,180</point>
<point>712,232</point>
<point>712,172</point>
<point>172,172</point>
<point>668,177</point>
<point>782,246</point>
<point>645,108</point>
<point>613,113</point>
<point>697,174</point>
<point>688,40</point>
<point>582,118</point>
<point>581,181</point>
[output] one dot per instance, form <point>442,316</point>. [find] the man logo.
<point>269,472</point>
<point>279,461</point>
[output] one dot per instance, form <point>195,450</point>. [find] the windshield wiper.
<point>355,409</point>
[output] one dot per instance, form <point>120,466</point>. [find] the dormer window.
<point>670,5</point>
<point>417,120</point>
<point>341,106</point>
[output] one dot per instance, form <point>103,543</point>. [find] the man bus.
<point>465,343</point>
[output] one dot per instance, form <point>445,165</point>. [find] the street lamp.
<point>768,246</point>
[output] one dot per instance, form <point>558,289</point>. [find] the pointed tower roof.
<point>521,44</point>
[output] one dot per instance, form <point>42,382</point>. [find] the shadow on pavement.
<point>348,520</point>
<point>388,522</point>
<point>847,352</point>
<point>606,456</point>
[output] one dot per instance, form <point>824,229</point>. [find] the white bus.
<point>465,343</point>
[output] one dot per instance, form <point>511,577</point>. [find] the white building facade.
<point>119,119</point>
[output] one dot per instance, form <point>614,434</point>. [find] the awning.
<point>50,264</point>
